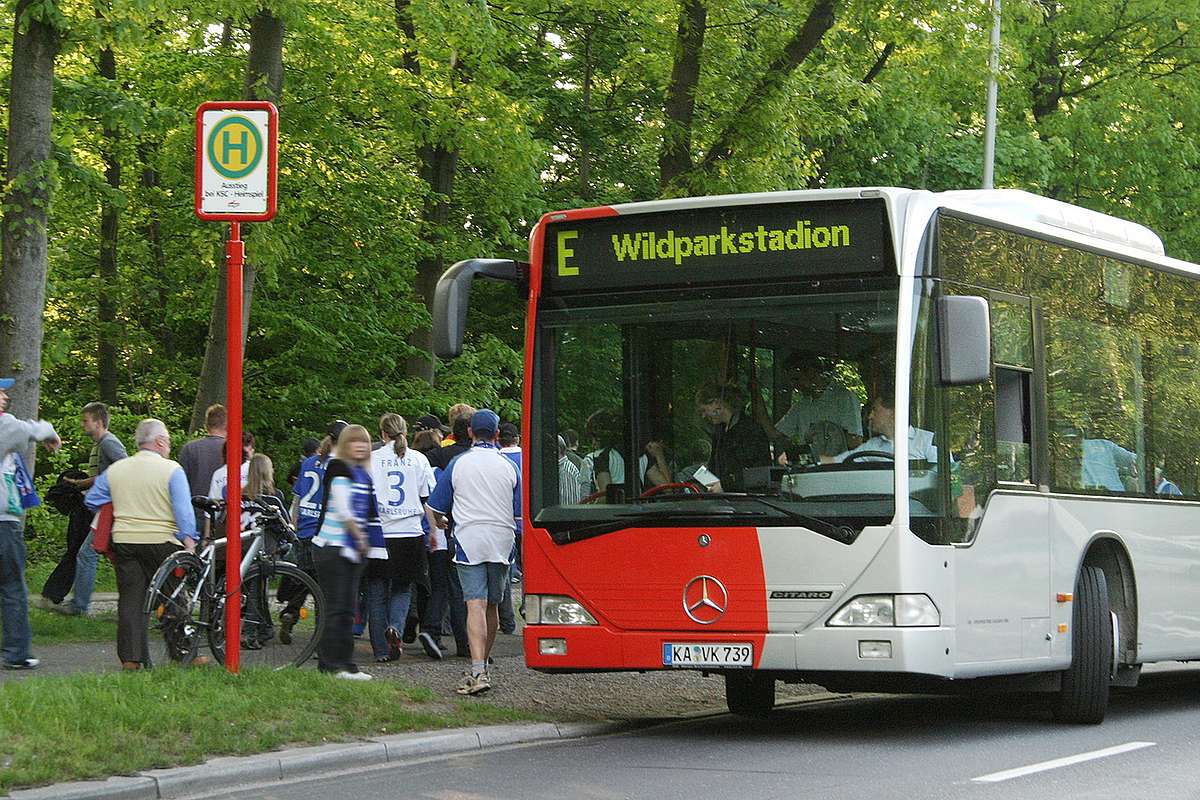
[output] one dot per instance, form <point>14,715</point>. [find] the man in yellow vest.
<point>152,518</point>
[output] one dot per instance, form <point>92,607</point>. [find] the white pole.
<point>989,138</point>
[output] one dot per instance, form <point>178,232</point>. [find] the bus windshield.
<point>758,410</point>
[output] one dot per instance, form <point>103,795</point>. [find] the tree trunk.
<point>675,157</point>
<point>23,264</point>
<point>438,167</point>
<point>107,330</point>
<point>802,44</point>
<point>153,232</point>
<point>264,81</point>
<point>1048,86</point>
<point>585,132</point>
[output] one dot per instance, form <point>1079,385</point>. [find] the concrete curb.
<point>224,773</point>
<point>229,772</point>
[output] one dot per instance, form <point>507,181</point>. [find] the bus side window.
<point>1013,426</point>
<point>1012,345</point>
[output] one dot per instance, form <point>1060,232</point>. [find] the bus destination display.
<point>718,245</point>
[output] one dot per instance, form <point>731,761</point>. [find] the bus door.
<point>997,436</point>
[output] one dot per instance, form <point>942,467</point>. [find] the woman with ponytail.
<point>403,480</point>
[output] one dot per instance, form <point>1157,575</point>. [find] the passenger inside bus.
<point>603,466</point>
<point>738,442</point>
<point>1107,465</point>
<point>819,405</point>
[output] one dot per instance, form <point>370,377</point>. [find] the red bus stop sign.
<point>236,157</point>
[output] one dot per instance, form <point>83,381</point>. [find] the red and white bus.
<point>737,369</point>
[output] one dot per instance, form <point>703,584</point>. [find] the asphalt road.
<point>874,747</point>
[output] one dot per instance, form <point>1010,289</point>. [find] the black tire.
<point>1083,695</point>
<point>265,640</point>
<point>749,694</point>
<point>173,611</point>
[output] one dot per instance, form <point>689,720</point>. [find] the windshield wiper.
<point>840,533</point>
<point>629,519</point>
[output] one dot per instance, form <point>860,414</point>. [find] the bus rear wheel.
<point>749,694</point>
<point>1083,695</point>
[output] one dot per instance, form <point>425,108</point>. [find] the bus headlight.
<point>552,609</point>
<point>887,610</point>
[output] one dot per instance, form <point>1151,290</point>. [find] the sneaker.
<point>287,621</point>
<point>474,684</point>
<point>347,675</point>
<point>410,630</point>
<point>430,645</point>
<point>516,578</point>
<point>28,663</point>
<point>393,639</point>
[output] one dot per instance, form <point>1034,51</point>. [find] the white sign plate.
<point>234,162</point>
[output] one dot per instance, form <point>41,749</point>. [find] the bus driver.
<point>882,421</point>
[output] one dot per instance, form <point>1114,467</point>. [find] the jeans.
<point>14,597</point>
<point>85,575</point>
<point>445,591</point>
<point>387,607</point>
<point>338,578</point>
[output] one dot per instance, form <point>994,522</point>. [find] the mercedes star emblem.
<point>705,599</point>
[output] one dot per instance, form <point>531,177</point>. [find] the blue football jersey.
<point>310,489</point>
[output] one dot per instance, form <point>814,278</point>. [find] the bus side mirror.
<point>452,296</point>
<point>964,340</point>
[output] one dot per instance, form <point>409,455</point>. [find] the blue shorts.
<point>483,581</point>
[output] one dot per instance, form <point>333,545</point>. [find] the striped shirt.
<point>349,495</point>
<point>569,490</point>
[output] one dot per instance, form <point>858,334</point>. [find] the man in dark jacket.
<point>67,500</point>
<point>442,457</point>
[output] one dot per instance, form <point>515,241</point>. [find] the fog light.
<point>552,647</point>
<point>869,649</point>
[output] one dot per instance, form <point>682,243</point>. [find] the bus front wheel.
<point>1083,696</point>
<point>749,694</point>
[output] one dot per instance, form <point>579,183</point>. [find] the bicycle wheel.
<point>173,611</point>
<point>282,617</point>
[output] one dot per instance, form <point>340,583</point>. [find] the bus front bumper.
<point>594,648</point>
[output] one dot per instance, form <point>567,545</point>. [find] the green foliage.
<point>545,107</point>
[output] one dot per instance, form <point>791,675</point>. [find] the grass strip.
<point>37,572</point>
<point>76,727</point>
<point>51,628</point>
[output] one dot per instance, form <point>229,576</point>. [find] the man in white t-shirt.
<point>817,399</point>
<point>482,489</point>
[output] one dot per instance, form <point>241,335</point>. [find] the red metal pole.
<point>235,257</point>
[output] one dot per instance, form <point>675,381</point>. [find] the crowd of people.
<point>406,535</point>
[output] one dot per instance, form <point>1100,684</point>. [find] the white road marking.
<point>1009,774</point>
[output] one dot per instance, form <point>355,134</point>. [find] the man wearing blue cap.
<point>15,437</point>
<point>482,489</point>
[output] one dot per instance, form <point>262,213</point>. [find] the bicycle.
<point>282,614</point>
